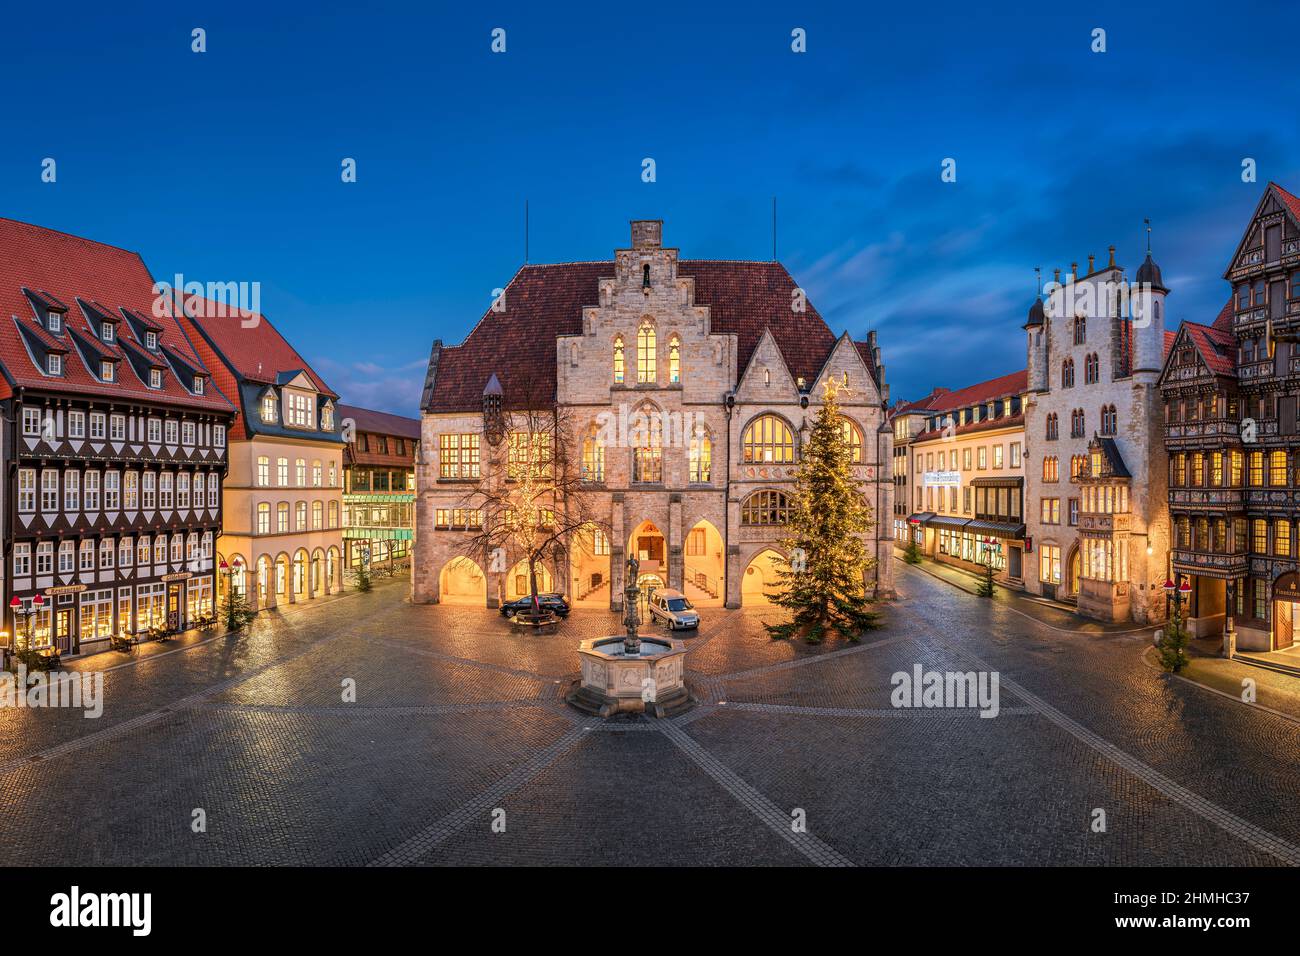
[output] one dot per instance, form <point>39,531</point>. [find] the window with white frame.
<point>151,341</point>
<point>315,474</point>
<point>183,491</point>
<point>263,471</point>
<point>54,363</point>
<point>300,516</point>
<point>282,517</point>
<point>106,550</point>
<point>206,545</point>
<point>112,490</point>
<point>302,410</point>
<point>54,321</point>
<point>76,424</point>
<point>107,370</point>
<point>31,420</point>
<point>264,518</point>
<point>107,332</point>
<point>187,433</point>
<point>87,555</point>
<point>198,384</point>
<point>212,492</point>
<point>268,408</point>
<point>26,490</point>
<point>71,490</point>
<point>300,472</point>
<point>155,378</point>
<point>219,435</point>
<point>282,471</point>
<point>142,550</point>
<point>131,491</point>
<point>91,491</point>
<point>165,490</point>
<point>155,430</point>
<point>49,491</point>
<point>97,423</point>
<point>22,560</point>
<point>178,542</point>
<point>160,549</point>
<point>147,490</point>
<point>45,557</point>
<point>125,551</point>
<point>171,431</point>
<point>67,557</point>
<point>117,427</point>
<point>198,490</point>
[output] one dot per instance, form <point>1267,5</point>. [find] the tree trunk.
<point>532,588</point>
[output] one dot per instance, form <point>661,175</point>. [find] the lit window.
<point>618,361</point>
<point>268,408</point>
<point>674,360</point>
<point>647,449</point>
<point>853,438</point>
<point>107,370</point>
<point>593,458</point>
<point>765,508</point>
<point>645,354</point>
<point>767,440</point>
<point>458,456</point>
<point>701,458</point>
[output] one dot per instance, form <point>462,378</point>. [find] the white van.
<point>671,607</point>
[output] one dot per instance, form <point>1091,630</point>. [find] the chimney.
<point>1112,258</point>
<point>647,233</point>
<point>1092,263</point>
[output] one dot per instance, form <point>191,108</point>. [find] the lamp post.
<point>230,570</point>
<point>25,614</point>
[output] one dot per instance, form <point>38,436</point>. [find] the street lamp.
<point>25,614</point>
<point>230,570</point>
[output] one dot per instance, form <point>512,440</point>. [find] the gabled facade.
<point>116,446</point>
<point>906,421</point>
<point>1095,349</point>
<point>284,496</point>
<point>732,348</point>
<point>1233,446</point>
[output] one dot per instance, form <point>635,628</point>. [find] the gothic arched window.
<point>619,368</point>
<point>674,360</point>
<point>645,353</point>
<point>767,440</point>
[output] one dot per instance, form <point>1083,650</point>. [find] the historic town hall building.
<point>114,446</point>
<point>1230,391</point>
<point>732,347</point>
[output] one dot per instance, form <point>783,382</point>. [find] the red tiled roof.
<point>380,423</point>
<point>67,267</point>
<point>1291,201</point>
<point>251,346</point>
<point>1217,347</point>
<point>989,424</point>
<point>1223,320</point>
<point>545,301</point>
<point>1016,383</point>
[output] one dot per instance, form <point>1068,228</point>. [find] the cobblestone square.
<point>459,749</point>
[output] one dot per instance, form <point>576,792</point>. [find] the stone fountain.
<point>632,674</point>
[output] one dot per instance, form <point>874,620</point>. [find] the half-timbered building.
<point>114,446</point>
<point>1230,392</point>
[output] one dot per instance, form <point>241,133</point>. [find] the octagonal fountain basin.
<point>651,680</point>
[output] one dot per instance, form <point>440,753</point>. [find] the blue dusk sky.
<point>225,166</point>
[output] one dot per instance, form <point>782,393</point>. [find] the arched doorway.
<point>647,543</point>
<point>300,592</point>
<point>590,567</point>
<point>703,574</point>
<point>332,568</point>
<point>760,577</point>
<point>264,588</point>
<point>461,581</point>
<point>1072,570</point>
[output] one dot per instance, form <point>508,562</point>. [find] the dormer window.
<point>54,361</point>
<point>155,378</point>
<point>327,417</point>
<point>198,384</point>
<point>151,341</point>
<point>107,370</point>
<point>302,411</point>
<point>268,408</point>
<point>106,331</point>
<point>55,321</point>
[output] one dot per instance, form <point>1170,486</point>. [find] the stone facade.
<point>687,524</point>
<point>1094,431</point>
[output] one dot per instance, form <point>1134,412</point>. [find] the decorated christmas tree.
<point>1172,647</point>
<point>823,584</point>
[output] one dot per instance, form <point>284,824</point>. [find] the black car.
<point>554,603</point>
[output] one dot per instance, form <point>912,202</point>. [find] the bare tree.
<point>529,499</point>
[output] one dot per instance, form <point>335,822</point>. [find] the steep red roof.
<point>545,301</point>
<point>250,345</point>
<point>989,424</point>
<point>1291,201</point>
<point>1223,320</point>
<point>919,405</point>
<point>1217,347</point>
<point>1016,383</point>
<point>61,268</point>
<point>380,423</point>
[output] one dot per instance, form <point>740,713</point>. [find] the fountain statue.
<point>627,673</point>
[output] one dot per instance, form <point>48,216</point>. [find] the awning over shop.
<point>921,517</point>
<point>998,529</point>
<point>950,522</point>
<point>997,482</point>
